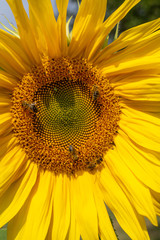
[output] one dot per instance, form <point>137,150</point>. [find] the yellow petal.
<point>134,189</point>
<point>156,201</point>
<point>105,227</point>
<point>85,208</point>
<point>25,30</point>
<point>140,55</point>
<point>74,232</point>
<point>89,17</point>
<point>108,25</point>
<point>10,167</point>
<point>13,31</point>
<point>7,81</point>
<point>130,65</point>
<point>14,47</point>
<point>129,39</point>
<point>144,170</point>
<point>5,123</point>
<point>151,156</point>
<point>13,199</point>
<point>132,223</point>
<point>11,62</point>
<point>49,233</point>
<point>4,118</point>
<point>140,88</point>
<point>5,96</point>
<point>45,27</point>
<point>61,208</point>
<point>7,143</point>
<point>150,107</point>
<point>33,220</point>
<point>61,22</point>
<point>68,32</point>
<point>4,107</point>
<point>135,115</point>
<point>141,131</point>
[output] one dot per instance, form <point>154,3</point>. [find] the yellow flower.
<point>79,126</point>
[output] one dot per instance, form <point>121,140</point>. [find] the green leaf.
<point>3,233</point>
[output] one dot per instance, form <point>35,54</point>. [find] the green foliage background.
<point>3,233</point>
<point>144,11</point>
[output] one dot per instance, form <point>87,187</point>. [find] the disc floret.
<point>65,115</point>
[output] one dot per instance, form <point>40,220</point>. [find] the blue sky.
<point>5,11</point>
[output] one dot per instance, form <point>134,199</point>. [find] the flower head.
<point>79,125</point>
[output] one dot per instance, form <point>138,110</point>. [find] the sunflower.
<point>79,127</point>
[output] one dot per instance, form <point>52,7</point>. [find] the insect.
<point>112,145</point>
<point>30,106</point>
<point>93,165</point>
<point>73,152</point>
<point>99,160</point>
<point>95,93</point>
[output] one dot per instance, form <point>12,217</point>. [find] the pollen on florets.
<point>65,115</point>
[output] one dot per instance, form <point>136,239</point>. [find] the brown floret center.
<point>65,115</point>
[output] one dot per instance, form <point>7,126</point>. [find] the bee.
<point>112,145</point>
<point>99,160</point>
<point>95,93</point>
<point>30,106</point>
<point>93,165</point>
<point>73,152</point>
